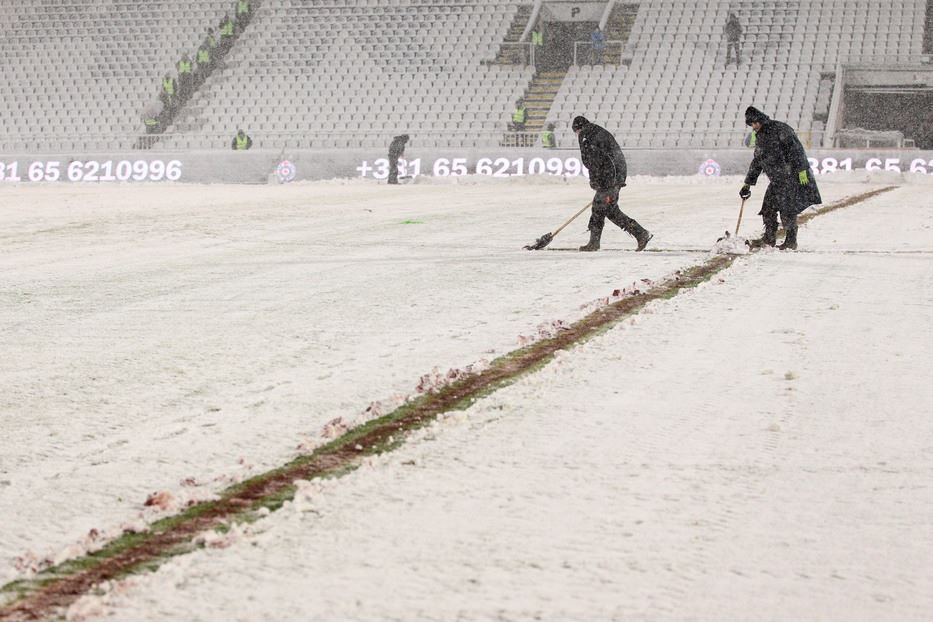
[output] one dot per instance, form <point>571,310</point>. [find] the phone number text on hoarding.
<point>894,165</point>
<point>494,167</point>
<point>91,171</point>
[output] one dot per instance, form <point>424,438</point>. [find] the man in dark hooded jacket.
<point>396,151</point>
<point>792,187</point>
<point>605,162</point>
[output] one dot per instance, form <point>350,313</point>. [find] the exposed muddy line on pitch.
<point>54,589</point>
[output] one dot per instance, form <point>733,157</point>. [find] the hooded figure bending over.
<point>792,187</point>
<point>605,162</point>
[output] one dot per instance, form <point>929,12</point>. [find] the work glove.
<point>804,178</point>
<point>745,192</point>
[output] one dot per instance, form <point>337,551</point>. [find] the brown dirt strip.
<point>56,588</point>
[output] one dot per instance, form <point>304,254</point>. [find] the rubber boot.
<point>642,237</point>
<point>768,238</point>
<point>790,240</point>
<point>630,226</point>
<point>593,244</point>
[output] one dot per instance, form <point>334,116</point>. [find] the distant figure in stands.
<point>205,63</point>
<point>211,40</point>
<point>152,118</point>
<point>598,46</point>
<point>241,142</point>
<point>519,116</point>
<point>792,187</point>
<point>537,42</point>
<point>396,151</point>
<point>244,12</point>
<point>604,160</point>
<point>547,137</point>
<point>169,95</point>
<point>185,77</point>
<point>226,34</point>
<point>733,32</point>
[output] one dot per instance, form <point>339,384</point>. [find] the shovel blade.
<point>540,243</point>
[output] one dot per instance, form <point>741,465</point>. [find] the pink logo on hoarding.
<point>710,168</point>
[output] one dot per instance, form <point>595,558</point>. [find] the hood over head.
<point>579,123</point>
<point>753,115</point>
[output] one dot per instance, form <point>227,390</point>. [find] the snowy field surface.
<point>759,447</point>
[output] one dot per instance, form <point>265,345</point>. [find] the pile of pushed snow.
<point>731,245</point>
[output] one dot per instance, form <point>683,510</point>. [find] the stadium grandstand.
<point>311,74</point>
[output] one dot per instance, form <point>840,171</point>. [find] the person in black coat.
<point>792,187</point>
<point>733,32</point>
<point>396,151</point>
<point>604,160</point>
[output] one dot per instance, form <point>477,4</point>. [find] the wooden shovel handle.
<point>739,222</point>
<point>572,218</point>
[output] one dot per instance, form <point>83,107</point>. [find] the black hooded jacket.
<point>602,157</point>
<point>779,154</point>
<point>397,147</point>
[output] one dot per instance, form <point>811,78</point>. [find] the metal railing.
<point>858,138</point>
<point>612,53</point>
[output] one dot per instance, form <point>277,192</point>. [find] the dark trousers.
<point>730,46</point>
<point>393,170</point>
<point>606,205</point>
<point>779,200</point>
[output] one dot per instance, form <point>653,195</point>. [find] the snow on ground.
<point>759,448</point>
<point>158,333</point>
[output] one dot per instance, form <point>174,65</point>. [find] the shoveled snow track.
<point>757,448</point>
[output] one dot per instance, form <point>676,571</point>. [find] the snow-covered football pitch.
<point>755,447</point>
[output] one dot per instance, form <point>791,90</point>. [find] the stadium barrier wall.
<point>259,166</point>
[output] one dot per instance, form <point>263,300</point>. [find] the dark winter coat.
<point>397,147</point>
<point>779,154</point>
<point>602,157</point>
<point>733,29</point>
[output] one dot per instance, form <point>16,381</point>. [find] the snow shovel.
<point>737,224</point>
<point>545,239</point>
